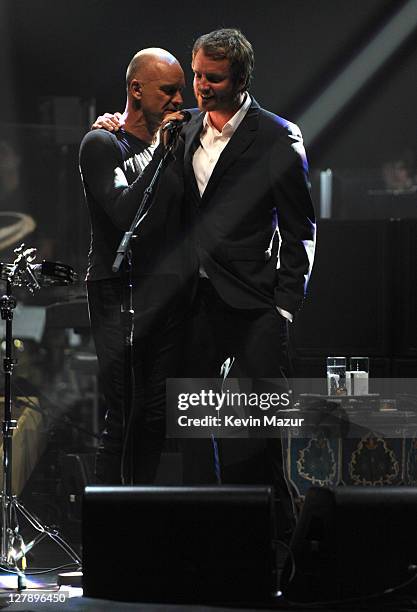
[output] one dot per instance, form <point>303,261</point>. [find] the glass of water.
<point>336,375</point>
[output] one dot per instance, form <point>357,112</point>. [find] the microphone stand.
<point>123,260</point>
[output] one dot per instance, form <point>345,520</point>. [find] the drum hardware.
<point>22,273</point>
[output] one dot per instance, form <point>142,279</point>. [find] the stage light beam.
<point>362,68</point>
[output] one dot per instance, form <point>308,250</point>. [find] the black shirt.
<point>116,169</point>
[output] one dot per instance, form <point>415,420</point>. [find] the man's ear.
<point>136,89</point>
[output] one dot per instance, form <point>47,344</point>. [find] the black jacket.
<point>254,227</point>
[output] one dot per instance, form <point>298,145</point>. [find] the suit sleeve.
<point>296,219</point>
<point>101,168</point>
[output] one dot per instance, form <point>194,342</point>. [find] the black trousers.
<point>157,355</point>
<point>258,341</point>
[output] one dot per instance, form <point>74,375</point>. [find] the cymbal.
<point>13,227</point>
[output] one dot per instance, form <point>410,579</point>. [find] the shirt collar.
<point>231,126</point>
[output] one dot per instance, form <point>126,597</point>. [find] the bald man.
<point>116,168</point>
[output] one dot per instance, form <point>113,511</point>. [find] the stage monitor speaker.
<point>179,544</point>
<point>352,542</point>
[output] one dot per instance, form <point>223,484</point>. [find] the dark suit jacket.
<point>254,226</point>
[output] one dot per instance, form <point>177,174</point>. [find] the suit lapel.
<point>236,146</point>
<point>192,142</point>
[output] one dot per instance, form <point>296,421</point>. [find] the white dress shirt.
<point>212,143</point>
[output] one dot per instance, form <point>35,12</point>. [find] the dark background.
<point>82,47</point>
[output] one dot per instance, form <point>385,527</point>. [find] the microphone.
<point>176,124</point>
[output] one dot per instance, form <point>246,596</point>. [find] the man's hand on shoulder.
<point>108,121</point>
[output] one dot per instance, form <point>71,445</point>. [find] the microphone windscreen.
<point>187,115</point>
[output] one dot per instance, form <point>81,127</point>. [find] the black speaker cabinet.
<point>352,542</point>
<point>350,300</point>
<point>406,289</point>
<point>179,544</point>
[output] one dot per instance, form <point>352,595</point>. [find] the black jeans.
<point>258,340</point>
<point>157,355</point>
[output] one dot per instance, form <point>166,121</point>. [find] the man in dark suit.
<point>254,232</point>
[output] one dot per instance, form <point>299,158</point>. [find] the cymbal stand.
<point>13,548</point>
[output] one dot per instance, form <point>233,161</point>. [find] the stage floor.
<point>47,556</point>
